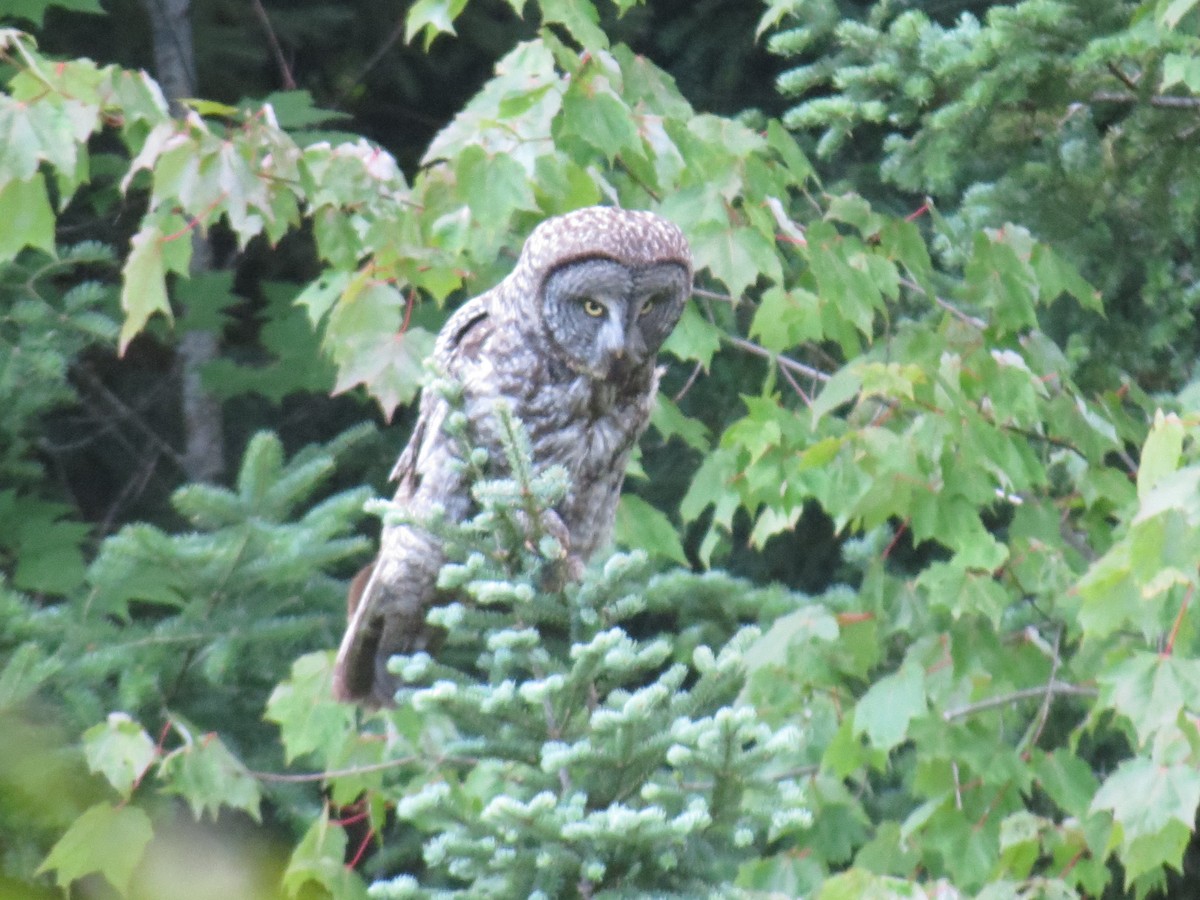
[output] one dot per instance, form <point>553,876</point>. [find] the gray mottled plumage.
<point>568,340</point>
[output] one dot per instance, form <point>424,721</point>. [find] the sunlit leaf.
<point>106,839</point>
<point>120,749</point>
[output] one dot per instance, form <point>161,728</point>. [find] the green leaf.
<point>34,10</point>
<point>119,749</point>
<point>1057,276</point>
<point>592,113</point>
<point>670,422</point>
<point>1145,797</point>
<point>1161,453</point>
<point>209,777</point>
<point>203,299</point>
<point>843,387</point>
<point>858,884</point>
<point>640,525</point>
<point>434,17</point>
<point>143,284</point>
<point>309,719</point>
<point>786,318</point>
<point>295,109</point>
<point>48,550</point>
<point>1067,779</point>
<point>736,255</point>
<point>804,626</point>
<point>891,703</point>
<point>579,17</point>
<point>38,132</point>
<point>106,839</point>
<point>782,142</point>
<point>319,858</point>
<point>27,220</point>
<point>320,295</point>
<point>391,367</point>
<point>694,338</point>
<point>1170,12</point>
<point>1152,691</point>
<point>999,280</point>
<point>495,186</point>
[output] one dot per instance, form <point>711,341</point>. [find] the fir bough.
<point>589,756</point>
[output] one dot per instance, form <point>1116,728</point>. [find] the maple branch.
<point>1039,722</point>
<point>974,321</point>
<point>302,777</point>
<point>1051,688</point>
<point>784,361</point>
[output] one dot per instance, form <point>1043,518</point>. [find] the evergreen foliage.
<point>582,757</point>
<point>175,629</point>
<point>1073,118</point>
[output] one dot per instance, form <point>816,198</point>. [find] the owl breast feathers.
<point>569,341</point>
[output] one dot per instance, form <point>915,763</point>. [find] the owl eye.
<point>652,302</point>
<point>593,308</point>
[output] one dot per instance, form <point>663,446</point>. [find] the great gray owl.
<point>569,340</point>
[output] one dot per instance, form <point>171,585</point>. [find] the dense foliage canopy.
<point>907,607</point>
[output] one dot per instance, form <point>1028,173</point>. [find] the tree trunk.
<point>175,64</point>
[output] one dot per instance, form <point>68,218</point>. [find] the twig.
<point>687,385</point>
<point>944,304</point>
<point>1159,101</point>
<point>131,490</point>
<point>373,61</point>
<point>1120,75</point>
<point>285,72</point>
<point>1039,723</point>
<point>125,412</point>
<point>1059,688</point>
<point>795,385</point>
<point>785,361</point>
<point>302,777</point>
<point>714,295</point>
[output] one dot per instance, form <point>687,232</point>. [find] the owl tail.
<point>360,672</point>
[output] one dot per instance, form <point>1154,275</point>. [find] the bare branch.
<point>1039,722</point>
<point>714,295</point>
<point>687,385</point>
<point>1052,688</point>
<point>974,321</point>
<point>394,35</point>
<point>1121,76</point>
<point>302,777</point>
<point>1159,101</point>
<point>285,72</point>
<point>784,361</point>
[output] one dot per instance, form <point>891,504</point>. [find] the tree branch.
<point>1159,101</point>
<point>784,361</point>
<point>285,72</point>
<point>396,33</point>
<point>302,777</point>
<point>1039,722</point>
<point>1051,688</point>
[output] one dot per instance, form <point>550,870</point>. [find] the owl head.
<point>607,286</point>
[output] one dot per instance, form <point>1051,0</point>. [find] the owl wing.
<point>388,598</point>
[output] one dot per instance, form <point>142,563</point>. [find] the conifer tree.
<point>593,751</point>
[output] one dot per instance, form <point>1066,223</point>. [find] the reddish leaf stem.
<point>1170,647</point>
<point>362,848</point>
<point>918,212</point>
<point>887,551</point>
<point>194,221</point>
